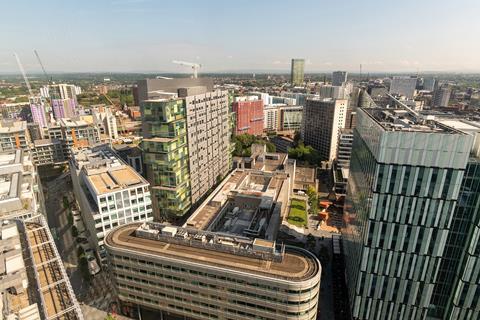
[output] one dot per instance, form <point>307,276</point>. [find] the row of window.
<point>194,300</point>
<point>181,272</point>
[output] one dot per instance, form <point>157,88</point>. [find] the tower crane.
<point>20,66</point>
<point>194,66</point>
<point>41,65</point>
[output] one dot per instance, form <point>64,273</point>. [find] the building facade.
<point>186,144</point>
<point>429,83</point>
<point>404,219</point>
<point>110,192</point>
<point>345,141</point>
<point>208,139</point>
<point>339,78</point>
<point>297,72</point>
<point>14,135</point>
<point>441,95</point>
<point>322,121</point>
<point>166,156</point>
<point>249,115</point>
<point>37,107</point>
<point>162,268</point>
<point>404,86</point>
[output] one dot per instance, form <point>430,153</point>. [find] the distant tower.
<point>297,72</point>
<point>441,96</point>
<point>339,78</point>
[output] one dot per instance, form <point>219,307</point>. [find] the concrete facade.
<point>323,119</point>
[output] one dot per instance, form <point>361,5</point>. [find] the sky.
<point>241,35</point>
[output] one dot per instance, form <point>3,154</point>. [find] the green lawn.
<point>298,213</point>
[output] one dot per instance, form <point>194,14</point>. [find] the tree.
<point>74,232</point>
<point>243,144</point>
<point>70,218</point>
<point>271,147</point>
<point>80,251</point>
<point>312,200</point>
<point>83,267</point>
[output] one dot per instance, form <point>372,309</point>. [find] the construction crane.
<point>41,65</point>
<point>194,66</point>
<point>20,66</point>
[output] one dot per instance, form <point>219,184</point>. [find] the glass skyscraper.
<point>411,241</point>
<point>297,73</point>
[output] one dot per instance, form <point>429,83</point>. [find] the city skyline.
<point>144,36</point>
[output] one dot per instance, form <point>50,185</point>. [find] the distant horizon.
<point>39,74</point>
<point>145,36</point>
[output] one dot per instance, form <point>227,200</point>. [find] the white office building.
<point>110,192</point>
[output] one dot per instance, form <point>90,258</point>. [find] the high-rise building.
<point>14,135</point>
<point>106,121</point>
<point>208,138</point>
<point>61,91</point>
<point>333,92</point>
<point>110,192</point>
<point>186,145</point>
<point>37,107</point>
<point>280,117</point>
<point>409,240</point>
<point>271,117</point>
<point>441,95</point>
<point>339,78</point>
<point>63,108</point>
<point>322,121</point>
<point>429,83</point>
<point>404,86</point>
<point>63,99</point>
<point>248,115</point>
<point>300,98</point>
<point>291,118</point>
<point>297,72</point>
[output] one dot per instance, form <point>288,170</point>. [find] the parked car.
<point>82,240</point>
<point>93,267</point>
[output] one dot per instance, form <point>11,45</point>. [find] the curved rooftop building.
<point>206,275</point>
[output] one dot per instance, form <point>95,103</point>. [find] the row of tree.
<point>243,144</point>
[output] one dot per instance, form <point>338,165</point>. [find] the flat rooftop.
<point>401,119</point>
<point>296,265</point>
<point>305,174</point>
<point>461,124</point>
<point>241,205</point>
<point>114,179</point>
<point>105,170</point>
<point>12,126</point>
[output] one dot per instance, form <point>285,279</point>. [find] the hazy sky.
<point>236,35</point>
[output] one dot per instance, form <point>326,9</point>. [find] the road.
<point>96,297</point>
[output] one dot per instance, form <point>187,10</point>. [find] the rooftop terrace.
<point>211,249</point>
<point>243,204</point>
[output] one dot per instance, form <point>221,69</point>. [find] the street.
<point>96,297</point>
